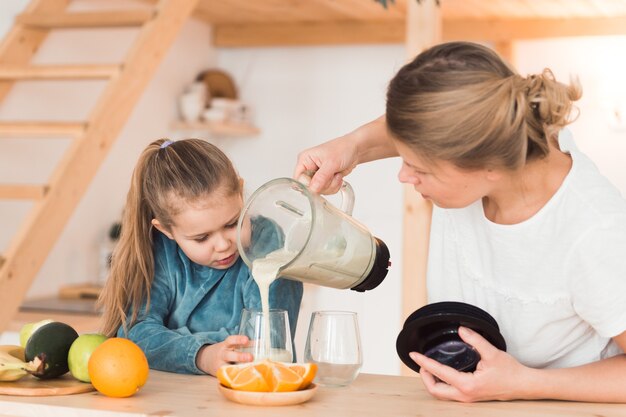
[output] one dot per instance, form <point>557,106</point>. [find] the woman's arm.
<point>601,381</point>
<point>500,377</point>
<point>335,159</point>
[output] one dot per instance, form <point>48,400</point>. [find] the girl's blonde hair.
<point>460,102</point>
<point>166,174</point>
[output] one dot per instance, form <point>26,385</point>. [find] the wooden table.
<point>173,395</point>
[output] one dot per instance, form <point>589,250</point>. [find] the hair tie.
<point>166,144</point>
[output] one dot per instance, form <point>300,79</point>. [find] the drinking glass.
<point>268,340</point>
<point>334,344</point>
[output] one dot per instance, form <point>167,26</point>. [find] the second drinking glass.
<point>254,325</point>
<point>334,344</point>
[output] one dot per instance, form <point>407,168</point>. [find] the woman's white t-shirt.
<point>555,283</point>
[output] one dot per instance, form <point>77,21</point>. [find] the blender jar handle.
<point>347,198</point>
<point>346,191</point>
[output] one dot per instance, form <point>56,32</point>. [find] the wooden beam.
<point>22,192</point>
<point>41,129</point>
<point>392,31</point>
<point>85,20</point>
<point>58,72</point>
<point>504,30</point>
<point>309,33</point>
<point>423,29</point>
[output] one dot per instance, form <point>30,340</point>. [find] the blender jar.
<point>320,244</point>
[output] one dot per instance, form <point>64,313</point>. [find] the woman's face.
<point>443,183</point>
<point>206,230</point>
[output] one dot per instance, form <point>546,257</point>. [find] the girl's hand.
<point>211,357</point>
<point>498,376</point>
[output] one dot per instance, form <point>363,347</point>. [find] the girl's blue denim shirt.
<point>193,305</point>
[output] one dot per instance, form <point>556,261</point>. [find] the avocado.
<point>51,344</point>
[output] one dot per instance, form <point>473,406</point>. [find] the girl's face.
<point>206,230</point>
<point>445,184</point>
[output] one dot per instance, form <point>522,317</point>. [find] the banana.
<point>12,365</point>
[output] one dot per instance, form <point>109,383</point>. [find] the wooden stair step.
<point>122,18</point>
<point>22,191</point>
<point>41,129</point>
<point>58,72</point>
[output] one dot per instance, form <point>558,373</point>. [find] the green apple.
<point>80,352</point>
<point>29,328</point>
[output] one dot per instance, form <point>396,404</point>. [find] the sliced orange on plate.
<point>283,379</point>
<point>307,371</point>
<point>252,378</point>
<point>227,373</point>
<point>267,376</point>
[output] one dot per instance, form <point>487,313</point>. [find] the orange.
<point>267,376</point>
<point>307,371</point>
<point>252,378</point>
<point>227,373</point>
<point>118,367</point>
<point>283,379</point>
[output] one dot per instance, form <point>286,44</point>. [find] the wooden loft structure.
<point>317,22</point>
<point>235,23</point>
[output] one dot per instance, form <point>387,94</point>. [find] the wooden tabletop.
<point>172,395</point>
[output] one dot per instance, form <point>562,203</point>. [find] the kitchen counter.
<point>171,395</point>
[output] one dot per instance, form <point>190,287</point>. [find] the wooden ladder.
<point>55,201</point>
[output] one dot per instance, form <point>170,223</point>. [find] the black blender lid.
<point>438,323</point>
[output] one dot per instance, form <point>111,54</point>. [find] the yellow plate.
<point>268,398</point>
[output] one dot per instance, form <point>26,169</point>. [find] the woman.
<point>524,226</point>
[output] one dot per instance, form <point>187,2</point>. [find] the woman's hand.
<point>331,161</point>
<point>211,357</point>
<point>498,376</point>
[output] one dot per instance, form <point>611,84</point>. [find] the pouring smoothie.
<point>264,272</point>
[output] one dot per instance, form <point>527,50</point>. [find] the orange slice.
<point>307,371</point>
<point>251,378</point>
<point>267,376</point>
<point>227,373</point>
<point>283,379</point>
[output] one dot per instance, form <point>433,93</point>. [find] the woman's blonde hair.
<point>166,174</point>
<point>460,102</point>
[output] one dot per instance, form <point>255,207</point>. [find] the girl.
<point>177,285</point>
<point>524,226</point>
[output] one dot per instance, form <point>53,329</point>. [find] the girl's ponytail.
<point>132,263</point>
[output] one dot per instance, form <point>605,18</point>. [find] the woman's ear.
<point>157,224</point>
<point>241,184</point>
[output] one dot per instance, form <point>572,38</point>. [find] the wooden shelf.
<point>217,128</point>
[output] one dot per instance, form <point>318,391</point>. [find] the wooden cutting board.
<point>31,386</point>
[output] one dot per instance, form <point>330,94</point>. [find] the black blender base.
<point>379,269</point>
